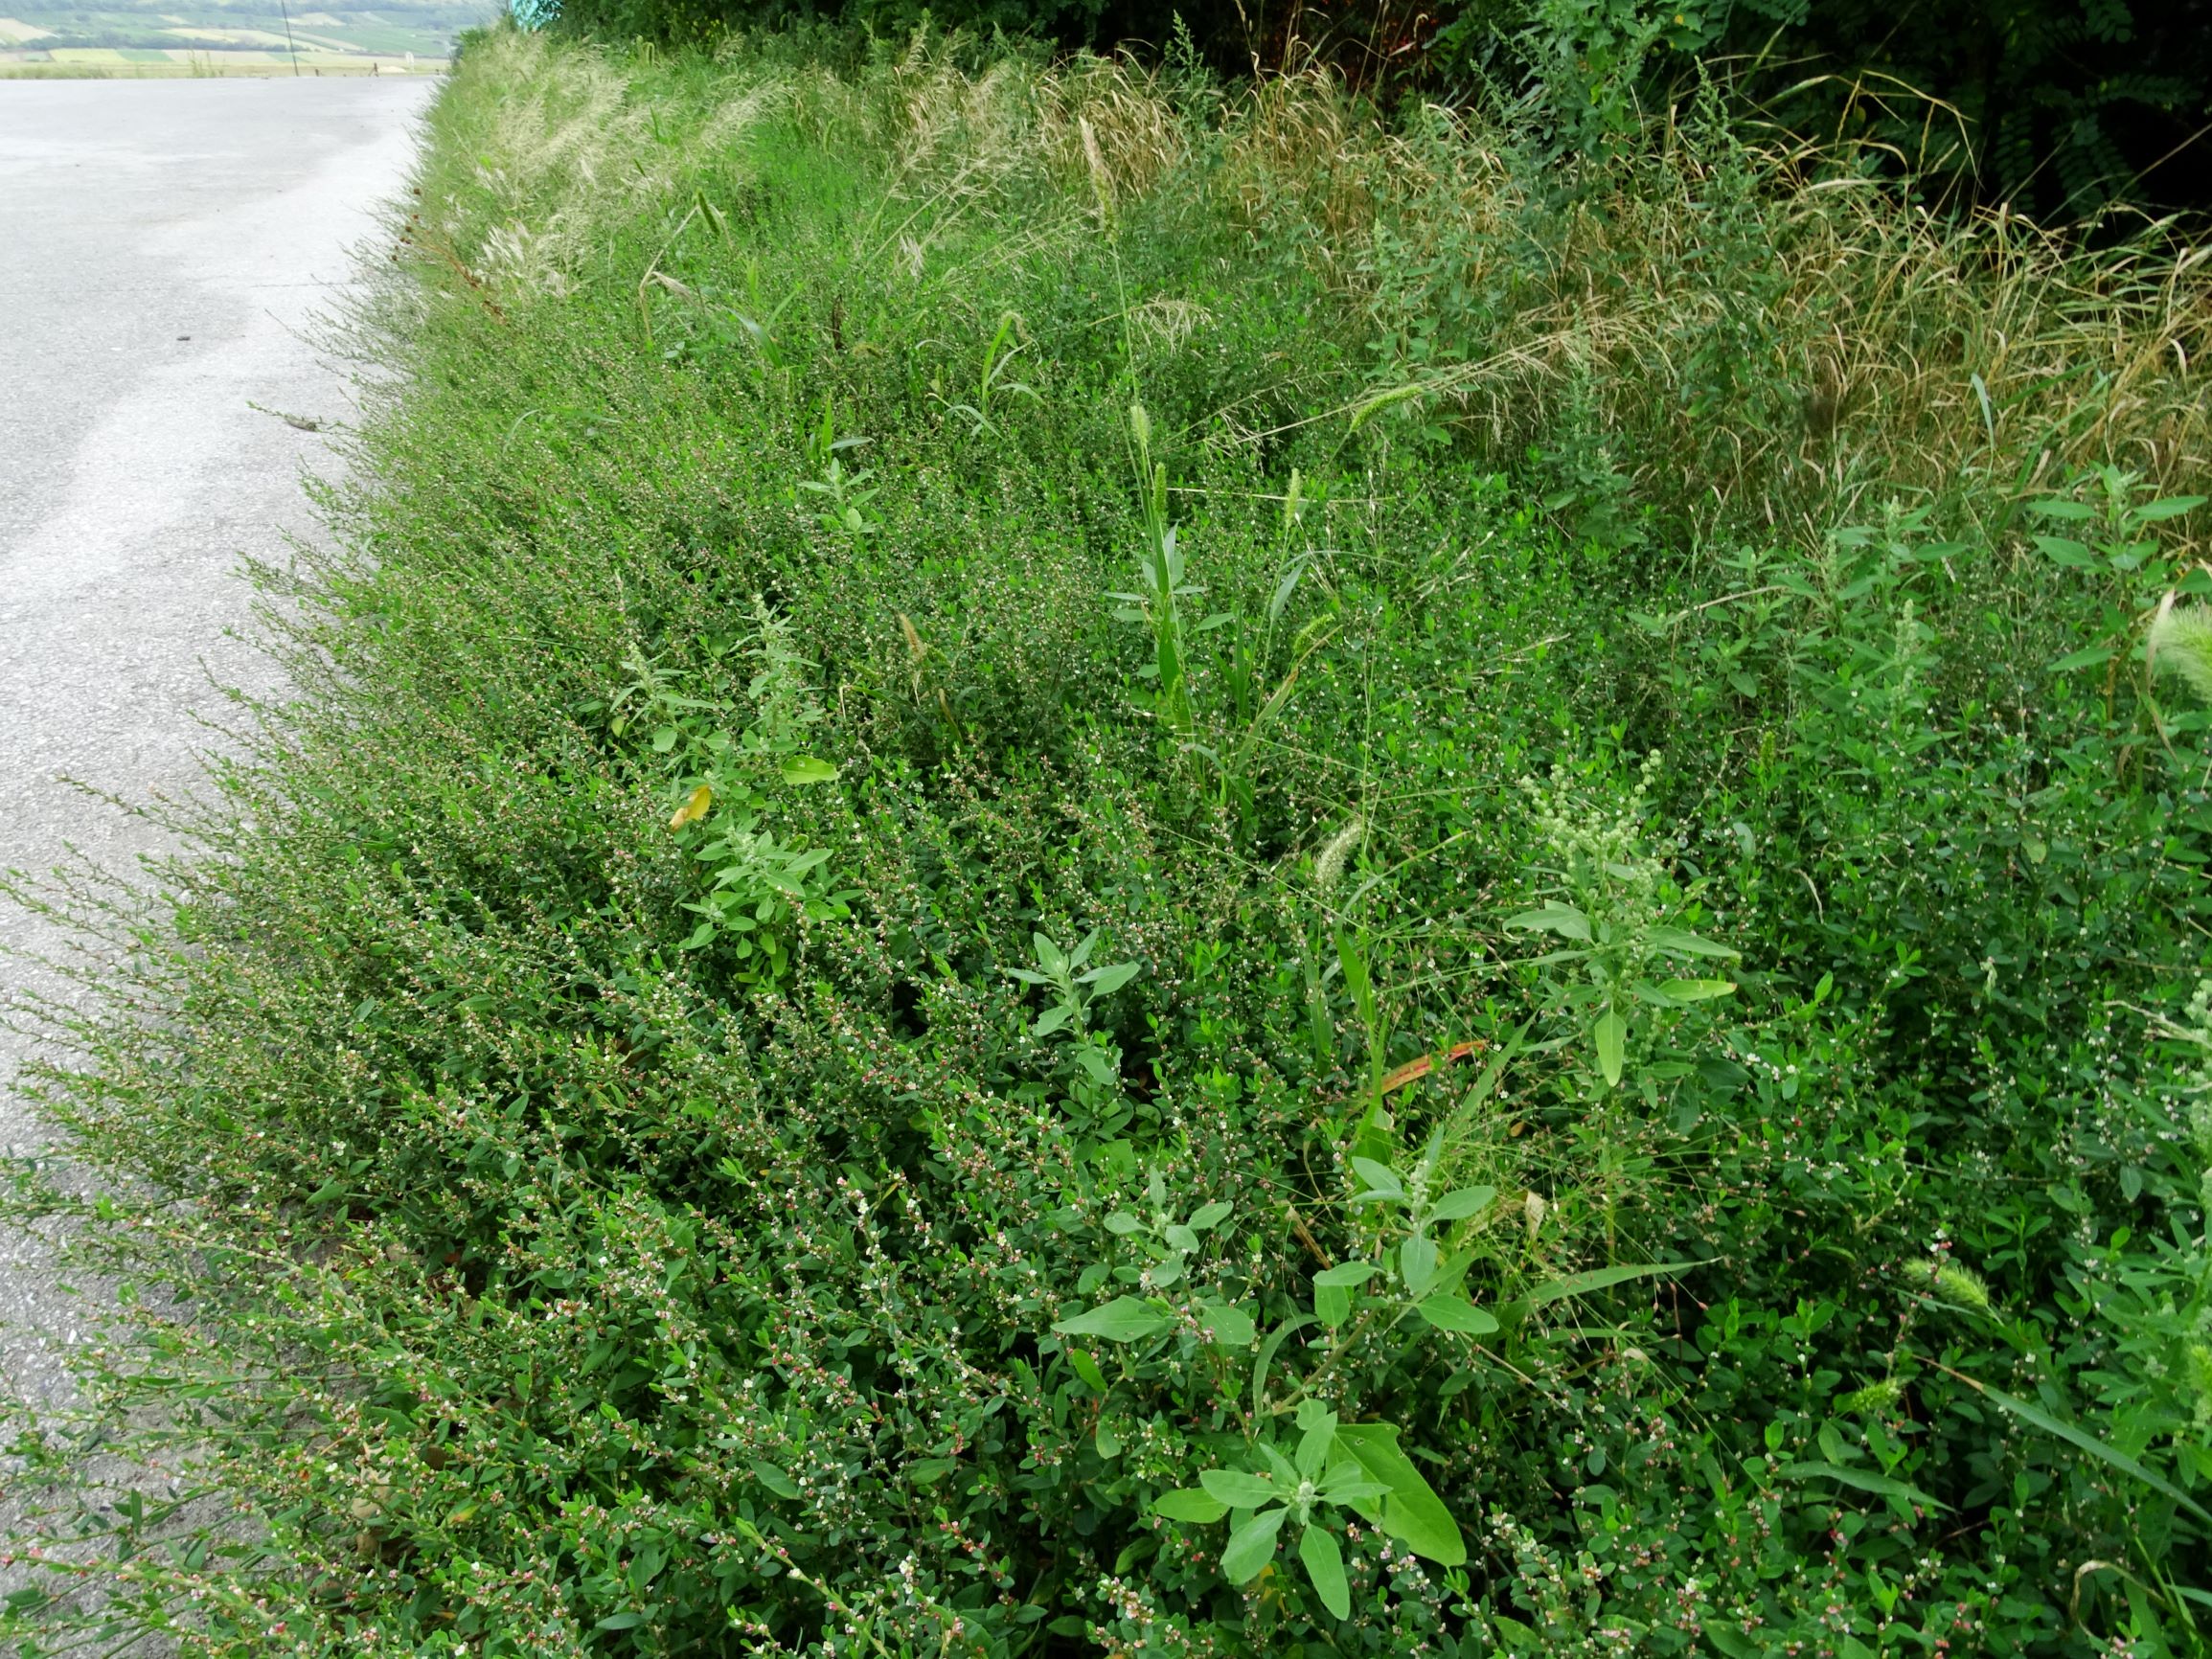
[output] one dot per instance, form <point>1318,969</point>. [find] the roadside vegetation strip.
<point>1075,863</point>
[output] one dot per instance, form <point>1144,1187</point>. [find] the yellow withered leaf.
<point>694,809</point>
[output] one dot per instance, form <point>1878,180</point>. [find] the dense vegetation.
<point>2063,108</point>
<point>1071,863</point>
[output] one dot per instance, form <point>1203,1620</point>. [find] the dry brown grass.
<point>1865,345</point>
<point>1760,336</point>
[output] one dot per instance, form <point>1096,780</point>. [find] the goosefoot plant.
<point>1076,988</point>
<point>1329,1469</point>
<point>757,886</point>
<point>1612,900</point>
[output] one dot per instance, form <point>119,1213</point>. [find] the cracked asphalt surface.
<point>165,246</point>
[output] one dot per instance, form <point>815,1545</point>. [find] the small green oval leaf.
<point>1190,1503</point>
<point>1696,990</point>
<point>1252,1546</point>
<point>1238,1488</point>
<point>1610,1035</point>
<point>775,1480</point>
<point>1323,1563</point>
<point>1467,1201</point>
<point>1448,1310</point>
<point>1123,1319</point>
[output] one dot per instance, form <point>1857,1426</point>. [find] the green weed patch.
<point>1073,867</point>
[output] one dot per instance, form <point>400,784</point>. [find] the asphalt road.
<point>165,247</point>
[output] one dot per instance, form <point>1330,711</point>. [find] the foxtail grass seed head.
<point>1960,1284</point>
<point>1877,1398</point>
<point>2180,643</point>
<point>1101,182</point>
<point>1329,863</point>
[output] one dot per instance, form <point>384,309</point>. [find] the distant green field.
<point>212,37</point>
<point>218,65</point>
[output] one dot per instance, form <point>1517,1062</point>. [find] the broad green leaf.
<point>1238,1488</point>
<point>1048,953</point>
<point>1350,1276</point>
<point>807,769</point>
<point>1696,990</point>
<point>1226,1326</point>
<point>1180,1237</point>
<point>1052,1020</point>
<point>1121,1224</point>
<point>1332,1305</point>
<point>1564,919</point>
<point>1252,1546</point>
<point>1123,1319</point>
<point>1865,1480</point>
<point>1210,1216</point>
<point>1318,1425</point>
<point>1467,1201</point>
<point>1190,1503</point>
<point>1677,943</point>
<point>621,1622</point>
<point>2173,507</point>
<point>1096,1064</point>
<point>775,1480</point>
<point>1105,981</point>
<point>1086,1368</point>
<point>1410,1511</point>
<point>1450,1310</point>
<point>1314,1447</point>
<point>1323,1564</point>
<point>1417,1264</point>
<point>2066,552</point>
<point>2093,657</point>
<point>1381,1178</point>
<point>1347,1483</point>
<point>1610,1035</point>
